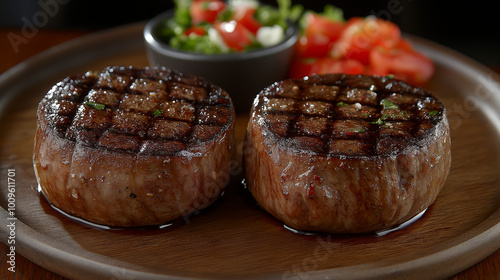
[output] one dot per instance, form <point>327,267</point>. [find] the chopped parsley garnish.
<point>97,106</point>
<point>359,130</point>
<point>225,15</point>
<point>342,104</point>
<point>388,104</point>
<point>390,76</point>
<point>157,112</point>
<point>379,121</point>
<point>433,113</point>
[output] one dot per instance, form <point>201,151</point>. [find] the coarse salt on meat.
<point>133,147</point>
<point>346,154</point>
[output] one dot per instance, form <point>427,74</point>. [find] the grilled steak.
<point>133,147</point>
<point>346,154</point>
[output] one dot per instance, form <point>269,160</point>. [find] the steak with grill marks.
<point>133,147</point>
<point>346,154</point>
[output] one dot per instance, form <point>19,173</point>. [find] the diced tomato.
<point>197,30</point>
<point>407,65</point>
<point>361,35</point>
<point>324,65</point>
<point>245,17</point>
<point>235,35</point>
<point>206,10</point>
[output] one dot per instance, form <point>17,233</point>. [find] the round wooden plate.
<point>234,238</point>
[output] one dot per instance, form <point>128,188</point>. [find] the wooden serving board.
<point>234,238</point>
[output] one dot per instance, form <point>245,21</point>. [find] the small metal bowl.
<point>242,75</point>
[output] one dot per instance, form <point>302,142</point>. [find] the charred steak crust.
<point>133,147</point>
<point>346,154</point>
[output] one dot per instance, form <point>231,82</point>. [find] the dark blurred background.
<point>469,29</point>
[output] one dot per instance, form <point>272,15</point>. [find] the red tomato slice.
<point>404,45</point>
<point>197,30</point>
<point>245,17</point>
<point>319,35</point>
<point>235,35</point>
<point>325,65</point>
<point>300,68</point>
<point>205,10</point>
<point>318,24</point>
<point>361,35</point>
<point>313,45</point>
<point>328,65</point>
<point>407,65</point>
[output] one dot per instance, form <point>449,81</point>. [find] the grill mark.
<point>384,89</point>
<point>90,81</point>
<point>375,129</point>
<point>79,101</point>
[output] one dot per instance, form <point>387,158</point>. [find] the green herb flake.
<point>379,121</point>
<point>342,104</point>
<point>388,104</point>
<point>97,106</point>
<point>384,117</point>
<point>157,112</point>
<point>433,113</point>
<point>360,130</point>
<point>390,76</point>
<point>254,45</point>
<point>225,15</point>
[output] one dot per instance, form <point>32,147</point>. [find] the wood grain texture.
<point>214,240</point>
